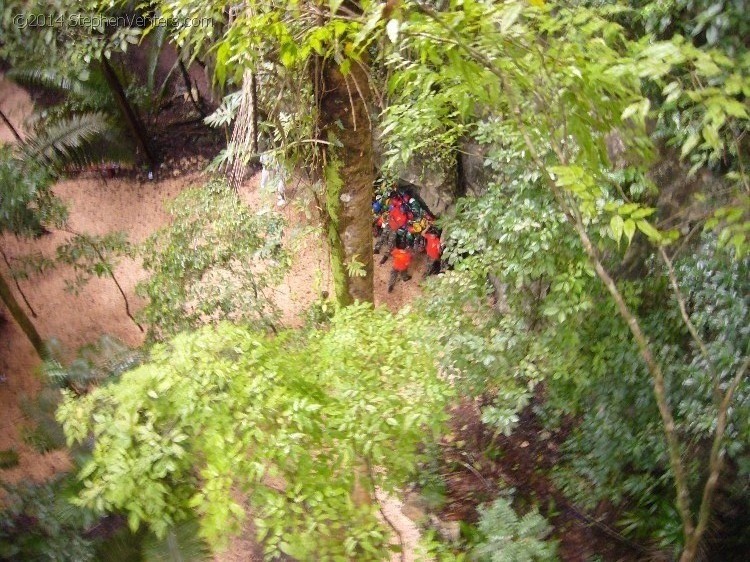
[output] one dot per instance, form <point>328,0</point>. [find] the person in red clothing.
<point>401,261</point>
<point>434,251</point>
<point>397,219</point>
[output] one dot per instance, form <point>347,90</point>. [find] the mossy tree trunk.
<point>21,318</point>
<point>343,103</point>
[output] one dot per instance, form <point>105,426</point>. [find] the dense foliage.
<point>617,453</point>
<point>602,267</point>
<point>558,96</point>
<point>39,523</point>
<point>26,199</point>
<point>293,423</point>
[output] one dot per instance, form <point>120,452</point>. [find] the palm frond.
<point>66,141</point>
<point>114,145</point>
<point>92,94</point>
<point>157,44</point>
<point>48,78</point>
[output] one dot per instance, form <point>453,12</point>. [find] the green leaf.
<point>133,521</point>
<point>630,110</point>
<point>642,213</point>
<point>627,208</point>
<point>616,226</point>
<point>648,230</point>
<point>735,108</point>
<point>510,15</point>
<point>689,144</point>
<point>629,229</point>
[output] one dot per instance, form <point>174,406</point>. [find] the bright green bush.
<point>294,422</point>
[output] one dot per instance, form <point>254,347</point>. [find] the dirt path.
<point>407,531</point>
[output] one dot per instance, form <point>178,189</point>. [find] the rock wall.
<point>441,186</point>
<point>475,175</point>
<point>435,185</point>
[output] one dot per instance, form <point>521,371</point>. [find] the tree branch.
<point>689,323</point>
<point>111,272</point>
<point>716,459</point>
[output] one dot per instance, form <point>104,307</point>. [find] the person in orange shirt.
<point>401,261</point>
<point>433,249</point>
<point>397,220</point>
<point>397,217</point>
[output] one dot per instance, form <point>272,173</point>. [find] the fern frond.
<point>48,78</point>
<point>66,141</point>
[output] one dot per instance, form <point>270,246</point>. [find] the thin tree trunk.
<point>189,86</point>
<point>134,123</point>
<point>344,103</point>
<point>17,284</point>
<point>254,109</point>
<point>460,171</point>
<point>6,295</point>
<point>11,127</point>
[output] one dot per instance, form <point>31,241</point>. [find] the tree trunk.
<point>196,101</point>
<point>134,123</point>
<point>6,295</point>
<point>344,119</point>
<point>254,109</point>
<point>460,171</point>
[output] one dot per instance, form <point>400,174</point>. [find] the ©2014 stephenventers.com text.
<point>100,21</point>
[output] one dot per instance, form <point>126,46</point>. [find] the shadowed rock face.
<point>437,187</point>
<point>475,174</point>
<point>440,186</point>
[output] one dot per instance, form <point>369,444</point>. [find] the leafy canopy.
<point>566,91</point>
<point>292,421</point>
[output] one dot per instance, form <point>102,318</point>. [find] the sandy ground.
<point>16,104</point>
<point>98,206</point>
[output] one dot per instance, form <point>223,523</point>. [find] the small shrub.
<point>44,434</point>
<point>8,458</point>
<point>38,523</point>
<point>508,537</point>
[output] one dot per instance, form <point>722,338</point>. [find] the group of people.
<point>403,227</point>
